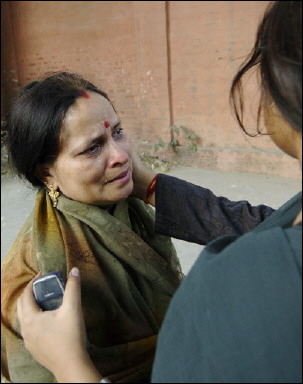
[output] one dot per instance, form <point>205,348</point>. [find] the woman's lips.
<point>122,178</point>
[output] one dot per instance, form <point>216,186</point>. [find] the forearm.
<point>78,371</point>
<point>192,213</point>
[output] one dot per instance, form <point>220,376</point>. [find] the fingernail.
<point>75,272</point>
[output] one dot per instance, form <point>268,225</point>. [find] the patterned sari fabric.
<point>128,276</point>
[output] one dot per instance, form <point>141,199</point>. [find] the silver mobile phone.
<point>48,290</point>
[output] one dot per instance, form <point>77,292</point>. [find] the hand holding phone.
<point>49,290</point>
<point>56,342</point>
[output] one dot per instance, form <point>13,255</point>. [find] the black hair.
<point>35,120</point>
<point>277,54</point>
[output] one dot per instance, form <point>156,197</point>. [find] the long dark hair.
<point>35,120</point>
<point>277,55</point>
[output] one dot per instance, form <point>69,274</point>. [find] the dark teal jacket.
<point>237,316</point>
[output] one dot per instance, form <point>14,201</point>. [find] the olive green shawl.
<point>128,276</point>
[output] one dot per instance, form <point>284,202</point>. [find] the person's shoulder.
<point>257,243</point>
<point>240,260</point>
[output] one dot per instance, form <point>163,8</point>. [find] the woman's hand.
<point>56,339</point>
<point>142,178</point>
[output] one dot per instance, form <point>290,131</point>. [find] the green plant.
<point>159,144</point>
<point>191,137</point>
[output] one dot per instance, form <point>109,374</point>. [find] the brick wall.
<point>162,63</point>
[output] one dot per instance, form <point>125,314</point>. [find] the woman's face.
<point>94,164</point>
<point>280,131</point>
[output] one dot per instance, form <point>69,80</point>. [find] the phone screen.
<point>48,291</point>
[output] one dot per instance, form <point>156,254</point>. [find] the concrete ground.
<point>17,200</point>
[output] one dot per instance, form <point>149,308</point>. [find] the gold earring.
<point>53,195</point>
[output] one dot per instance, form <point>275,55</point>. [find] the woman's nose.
<point>117,154</point>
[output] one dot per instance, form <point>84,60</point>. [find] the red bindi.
<point>84,94</point>
<point>106,124</point>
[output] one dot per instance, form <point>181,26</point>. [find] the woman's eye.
<point>118,132</point>
<point>93,149</point>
